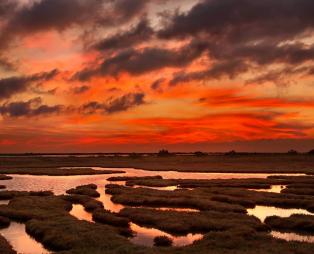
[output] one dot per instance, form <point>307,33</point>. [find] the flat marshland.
<point>150,204</point>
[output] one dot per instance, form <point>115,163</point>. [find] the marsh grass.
<point>176,199</point>
<point>48,221</point>
<point>5,177</point>
<point>195,183</point>
<point>4,222</point>
<point>87,190</point>
<point>130,178</point>
<point>181,223</point>
<point>222,203</point>
<point>162,241</point>
<point>7,195</point>
<point>107,217</point>
<point>5,247</point>
<point>87,202</point>
<point>296,222</point>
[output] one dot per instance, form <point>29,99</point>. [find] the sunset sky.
<point>141,75</point>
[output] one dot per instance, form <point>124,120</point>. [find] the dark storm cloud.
<point>61,14</point>
<point>282,76</point>
<point>137,34</point>
<point>243,19</point>
<point>35,107</point>
<point>114,105</point>
<point>228,68</point>
<point>31,108</point>
<point>6,8</point>
<point>142,61</point>
<point>127,9</point>
<point>264,53</point>
<point>14,85</point>
<point>232,61</point>
<point>50,14</point>
<point>125,102</point>
<point>239,34</point>
<point>250,33</point>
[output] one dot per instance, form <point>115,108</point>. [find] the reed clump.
<point>296,222</point>
<point>162,241</point>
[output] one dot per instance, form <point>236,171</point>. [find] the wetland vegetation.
<point>216,209</point>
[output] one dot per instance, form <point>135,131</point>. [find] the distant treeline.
<point>161,153</point>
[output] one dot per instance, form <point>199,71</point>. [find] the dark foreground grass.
<point>4,222</point>
<point>5,247</point>
<point>5,177</point>
<point>182,223</point>
<point>296,222</point>
<point>299,191</point>
<point>162,241</point>
<point>47,220</point>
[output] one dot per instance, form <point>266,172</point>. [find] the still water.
<point>273,189</point>
<point>262,212</point>
<point>293,237</point>
<point>21,241</point>
<point>143,235</point>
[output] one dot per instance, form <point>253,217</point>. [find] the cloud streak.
<point>31,108</point>
<point>14,85</point>
<point>114,105</point>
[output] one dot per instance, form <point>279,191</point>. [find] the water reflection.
<point>21,241</point>
<point>79,212</point>
<point>273,189</point>
<point>145,236</point>
<point>108,204</point>
<point>293,237</point>
<point>167,188</point>
<point>262,212</point>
